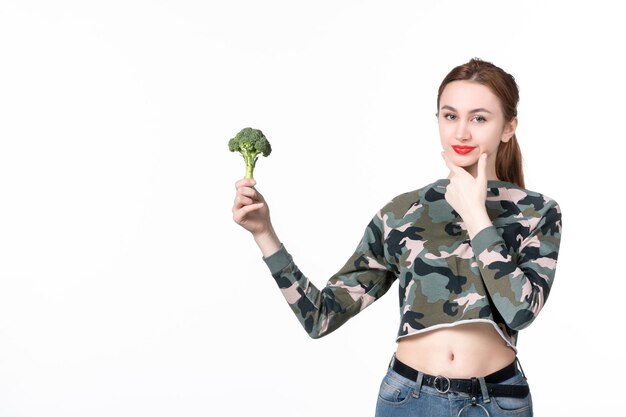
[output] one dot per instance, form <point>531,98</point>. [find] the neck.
<point>491,172</point>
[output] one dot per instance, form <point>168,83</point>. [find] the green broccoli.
<point>250,143</point>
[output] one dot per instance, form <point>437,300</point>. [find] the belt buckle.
<point>440,382</point>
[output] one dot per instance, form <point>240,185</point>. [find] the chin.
<point>464,160</point>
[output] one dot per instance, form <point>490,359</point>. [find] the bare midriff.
<point>462,351</point>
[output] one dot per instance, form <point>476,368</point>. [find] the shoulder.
<point>409,207</point>
<point>521,205</point>
<point>402,203</point>
<point>522,197</point>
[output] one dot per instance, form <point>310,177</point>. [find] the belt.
<point>469,386</point>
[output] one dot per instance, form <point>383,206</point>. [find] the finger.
<point>240,214</point>
<point>241,201</point>
<point>245,182</point>
<point>248,192</point>
<point>251,193</point>
<point>481,173</point>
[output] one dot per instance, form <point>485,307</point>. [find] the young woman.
<point>474,255</point>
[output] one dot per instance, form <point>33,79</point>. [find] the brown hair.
<point>503,85</point>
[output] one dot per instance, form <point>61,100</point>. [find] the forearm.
<point>323,310</point>
<point>364,278</point>
<point>267,241</point>
<point>476,222</point>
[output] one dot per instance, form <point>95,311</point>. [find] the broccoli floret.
<point>250,143</point>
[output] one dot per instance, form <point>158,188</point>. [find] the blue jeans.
<point>401,397</point>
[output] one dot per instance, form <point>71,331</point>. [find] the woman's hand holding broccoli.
<point>250,211</point>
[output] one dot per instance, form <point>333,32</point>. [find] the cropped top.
<point>502,276</point>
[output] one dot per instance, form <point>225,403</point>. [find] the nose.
<point>463,133</point>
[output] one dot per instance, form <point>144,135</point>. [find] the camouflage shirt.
<point>502,276</point>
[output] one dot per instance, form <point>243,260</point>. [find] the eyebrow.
<point>478,110</point>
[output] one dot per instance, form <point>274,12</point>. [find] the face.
<point>471,123</point>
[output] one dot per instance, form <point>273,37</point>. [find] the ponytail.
<point>509,162</point>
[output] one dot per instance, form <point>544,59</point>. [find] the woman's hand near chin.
<point>467,195</point>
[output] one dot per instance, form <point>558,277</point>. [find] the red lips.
<point>462,150</point>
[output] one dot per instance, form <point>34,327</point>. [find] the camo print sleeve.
<point>519,282</point>
<point>364,278</point>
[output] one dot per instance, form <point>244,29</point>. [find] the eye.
<point>479,119</point>
<point>449,116</point>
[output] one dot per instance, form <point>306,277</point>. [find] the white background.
<point>127,290</point>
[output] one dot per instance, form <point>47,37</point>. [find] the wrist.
<point>267,241</point>
<point>477,224</point>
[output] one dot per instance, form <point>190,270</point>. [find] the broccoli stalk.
<point>250,143</point>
